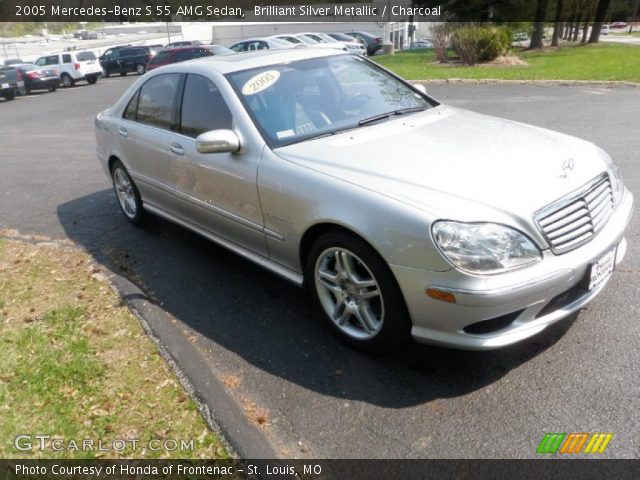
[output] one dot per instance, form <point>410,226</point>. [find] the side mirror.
<point>421,88</point>
<point>218,141</point>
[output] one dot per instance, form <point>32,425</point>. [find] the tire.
<point>91,80</point>
<point>105,73</point>
<point>24,91</point>
<point>127,194</point>
<point>362,303</point>
<point>10,95</point>
<point>52,88</point>
<point>66,81</point>
<point>140,69</point>
<point>123,74</point>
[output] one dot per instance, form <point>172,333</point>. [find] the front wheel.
<point>92,80</point>
<point>66,80</point>
<point>127,194</point>
<point>52,88</point>
<point>356,291</point>
<point>140,69</point>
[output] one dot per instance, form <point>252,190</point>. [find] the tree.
<point>557,28</point>
<point>538,25</point>
<point>601,12</point>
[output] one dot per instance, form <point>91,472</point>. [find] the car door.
<point>110,60</point>
<point>218,191</point>
<point>143,137</point>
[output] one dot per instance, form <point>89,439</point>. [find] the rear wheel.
<point>66,80</point>
<point>127,194</point>
<point>356,291</point>
<point>105,73</point>
<point>52,88</point>
<point>24,91</point>
<point>10,95</point>
<point>123,74</point>
<point>140,69</point>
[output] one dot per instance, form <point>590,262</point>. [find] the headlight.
<point>484,247</point>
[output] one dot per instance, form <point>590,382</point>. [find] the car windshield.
<point>306,39</point>
<point>301,100</point>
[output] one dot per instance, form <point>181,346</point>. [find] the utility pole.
<point>168,33</point>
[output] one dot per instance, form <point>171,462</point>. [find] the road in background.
<point>318,397</point>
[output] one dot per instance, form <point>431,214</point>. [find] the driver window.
<point>203,107</point>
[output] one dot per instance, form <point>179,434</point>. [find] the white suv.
<point>73,66</point>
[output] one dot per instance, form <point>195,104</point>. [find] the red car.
<point>180,54</point>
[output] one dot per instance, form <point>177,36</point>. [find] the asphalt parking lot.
<point>319,398</point>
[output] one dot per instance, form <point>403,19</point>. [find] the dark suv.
<point>131,58</point>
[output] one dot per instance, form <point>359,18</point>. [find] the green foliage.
<point>601,62</point>
<point>481,43</point>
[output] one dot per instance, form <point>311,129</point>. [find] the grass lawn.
<point>76,364</point>
<point>604,61</point>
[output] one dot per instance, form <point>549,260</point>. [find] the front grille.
<point>577,218</point>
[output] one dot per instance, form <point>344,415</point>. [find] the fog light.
<point>440,295</point>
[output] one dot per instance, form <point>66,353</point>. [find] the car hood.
<point>447,157</point>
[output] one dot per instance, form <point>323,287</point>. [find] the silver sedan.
<point>402,216</point>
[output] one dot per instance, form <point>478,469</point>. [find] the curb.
<point>223,414</point>
<point>546,83</point>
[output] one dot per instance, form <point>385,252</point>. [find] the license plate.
<point>602,268</point>
<point>5,85</point>
<point>91,62</point>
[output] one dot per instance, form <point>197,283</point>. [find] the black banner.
<point>308,10</point>
<point>319,469</point>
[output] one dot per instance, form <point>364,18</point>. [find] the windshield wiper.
<point>382,116</point>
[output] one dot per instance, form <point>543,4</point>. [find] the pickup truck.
<point>8,82</point>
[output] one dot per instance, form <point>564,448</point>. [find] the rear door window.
<point>66,58</point>
<point>157,99</point>
<point>183,55</point>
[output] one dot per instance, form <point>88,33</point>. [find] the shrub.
<point>441,37</point>
<point>477,43</point>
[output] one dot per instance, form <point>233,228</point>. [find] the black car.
<point>37,78</point>
<point>372,42</point>
<point>8,82</point>
<point>130,58</point>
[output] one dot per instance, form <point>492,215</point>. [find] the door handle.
<point>176,148</point>
<point>123,131</point>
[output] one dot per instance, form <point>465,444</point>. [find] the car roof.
<point>244,61</point>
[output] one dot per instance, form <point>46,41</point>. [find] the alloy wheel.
<point>349,293</point>
<point>125,193</point>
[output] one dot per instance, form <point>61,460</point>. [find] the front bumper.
<point>527,300</point>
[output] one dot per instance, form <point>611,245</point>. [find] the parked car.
<point>184,43</point>
<point>352,46</point>
<point>8,82</point>
<point>125,59</point>
<point>422,44</point>
<point>72,67</point>
<point>372,42</point>
<point>334,173</point>
<point>180,54</point>
<point>262,43</point>
<point>12,61</point>
<point>617,25</point>
<point>349,41</point>
<point>37,78</point>
<point>301,39</point>
<point>604,30</point>
<point>520,37</point>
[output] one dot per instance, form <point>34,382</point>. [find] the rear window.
<point>161,57</point>
<point>85,56</point>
